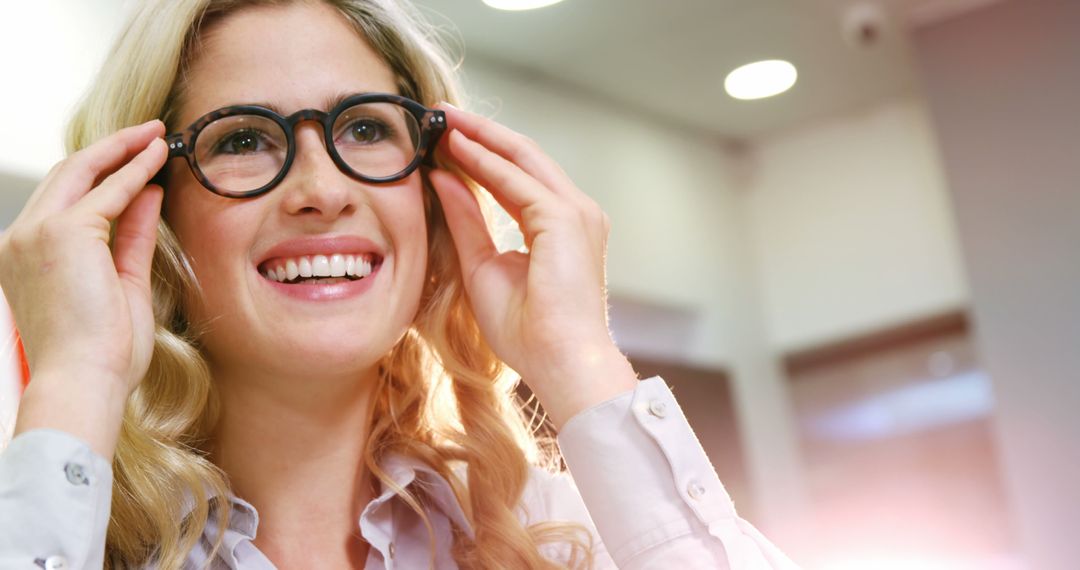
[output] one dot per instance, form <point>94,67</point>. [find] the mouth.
<point>320,269</point>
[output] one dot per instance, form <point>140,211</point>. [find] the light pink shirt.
<point>640,482</point>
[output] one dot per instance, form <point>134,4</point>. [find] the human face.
<point>256,325</point>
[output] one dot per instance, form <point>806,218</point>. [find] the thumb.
<point>136,234</point>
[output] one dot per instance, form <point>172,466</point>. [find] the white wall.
<point>851,226</point>
<point>1003,84</point>
<point>51,50</point>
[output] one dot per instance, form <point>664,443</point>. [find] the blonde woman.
<point>269,329</point>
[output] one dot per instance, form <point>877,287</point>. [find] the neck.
<point>293,447</point>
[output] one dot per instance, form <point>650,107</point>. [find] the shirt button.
<point>76,475</point>
<point>391,550</point>
<point>658,408</point>
<point>695,490</point>
<point>56,562</point>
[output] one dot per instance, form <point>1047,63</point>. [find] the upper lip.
<point>324,245</point>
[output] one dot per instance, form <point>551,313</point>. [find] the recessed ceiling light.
<point>517,5</point>
<point>761,79</point>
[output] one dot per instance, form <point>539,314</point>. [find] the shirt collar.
<point>403,470</point>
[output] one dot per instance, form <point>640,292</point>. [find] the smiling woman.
<point>293,347</point>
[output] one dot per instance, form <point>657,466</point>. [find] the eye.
<point>368,131</point>
<point>244,141</point>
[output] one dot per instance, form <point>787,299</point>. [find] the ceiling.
<point>668,58</point>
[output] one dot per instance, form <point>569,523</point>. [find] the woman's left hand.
<point>544,312</point>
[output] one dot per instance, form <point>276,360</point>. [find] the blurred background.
<point>863,291</point>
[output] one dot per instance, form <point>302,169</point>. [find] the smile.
<point>332,268</point>
<point>330,277</point>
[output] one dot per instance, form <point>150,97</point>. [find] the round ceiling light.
<point>517,5</point>
<point>761,79</point>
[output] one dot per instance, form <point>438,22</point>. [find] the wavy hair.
<point>442,395</point>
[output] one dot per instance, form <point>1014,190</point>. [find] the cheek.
<point>207,236</point>
<point>405,222</point>
<point>403,219</point>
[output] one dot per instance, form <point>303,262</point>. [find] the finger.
<point>35,196</point>
<point>513,211</point>
<point>77,174</point>
<point>465,219</point>
<point>136,234</point>
<point>113,195</point>
<point>511,145</point>
<point>512,187</point>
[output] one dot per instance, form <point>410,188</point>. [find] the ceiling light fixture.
<point>517,5</point>
<point>761,79</point>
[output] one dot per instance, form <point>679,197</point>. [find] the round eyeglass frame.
<point>431,122</point>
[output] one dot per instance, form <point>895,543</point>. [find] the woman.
<point>292,354</point>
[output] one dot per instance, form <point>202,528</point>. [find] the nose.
<point>314,186</point>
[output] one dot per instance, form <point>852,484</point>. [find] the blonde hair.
<point>442,394</point>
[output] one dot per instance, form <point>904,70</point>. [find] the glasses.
<point>246,150</point>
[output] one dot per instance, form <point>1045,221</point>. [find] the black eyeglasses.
<point>246,150</point>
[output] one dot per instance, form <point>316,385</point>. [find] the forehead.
<point>293,57</point>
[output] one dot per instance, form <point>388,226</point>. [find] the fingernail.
<point>448,104</point>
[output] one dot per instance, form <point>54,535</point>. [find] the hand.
<point>544,312</point>
<point>80,307</point>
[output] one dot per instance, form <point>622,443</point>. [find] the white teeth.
<point>320,266</point>
<point>337,265</point>
<point>333,265</point>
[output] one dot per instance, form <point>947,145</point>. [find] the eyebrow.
<point>328,103</point>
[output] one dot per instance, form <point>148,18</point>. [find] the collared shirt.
<point>638,480</point>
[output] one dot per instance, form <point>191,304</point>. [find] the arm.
<point>81,299</point>
<point>544,313</point>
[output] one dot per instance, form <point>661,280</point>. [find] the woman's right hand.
<point>83,310</point>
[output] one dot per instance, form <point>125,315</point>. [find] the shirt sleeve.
<point>55,496</point>
<point>651,491</point>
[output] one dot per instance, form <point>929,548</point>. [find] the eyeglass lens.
<point>241,153</point>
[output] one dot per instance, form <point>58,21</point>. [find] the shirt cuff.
<point>55,493</point>
<point>642,471</point>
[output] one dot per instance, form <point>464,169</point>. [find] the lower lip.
<point>325,291</point>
